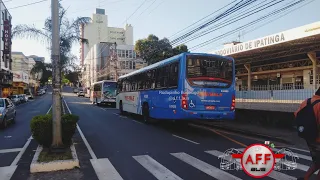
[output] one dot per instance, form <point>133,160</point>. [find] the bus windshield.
<point>109,89</point>
<point>209,71</point>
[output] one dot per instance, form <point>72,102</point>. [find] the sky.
<point>162,18</point>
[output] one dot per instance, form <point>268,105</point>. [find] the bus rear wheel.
<point>121,108</point>
<point>145,113</point>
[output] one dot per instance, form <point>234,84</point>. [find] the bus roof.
<point>104,81</point>
<point>167,61</point>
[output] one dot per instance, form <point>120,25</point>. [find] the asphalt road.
<point>125,148</point>
<point>15,136</point>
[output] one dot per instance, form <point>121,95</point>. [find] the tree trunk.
<point>56,78</point>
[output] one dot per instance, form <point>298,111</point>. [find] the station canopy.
<point>292,42</point>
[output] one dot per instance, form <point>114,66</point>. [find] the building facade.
<point>286,60</point>
<point>37,58</point>
<point>21,72</point>
<point>108,52</point>
<point>6,75</point>
<point>103,62</point>
<point>97,31</point>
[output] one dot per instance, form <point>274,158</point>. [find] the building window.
<point>130,53</point>
<point>133,65</point>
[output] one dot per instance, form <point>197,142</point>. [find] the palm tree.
<point>69,34</point>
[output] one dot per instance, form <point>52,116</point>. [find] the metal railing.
<point>275,93</point>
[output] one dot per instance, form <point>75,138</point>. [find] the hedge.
<point>41,128</point>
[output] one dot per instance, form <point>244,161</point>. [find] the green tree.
<point>43,71</point>
<point>153,50</point>
<point>73,76</point>
<point>69,35</point>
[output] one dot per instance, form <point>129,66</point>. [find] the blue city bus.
<point>188,86</point>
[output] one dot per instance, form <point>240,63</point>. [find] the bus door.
<point>209,83</point>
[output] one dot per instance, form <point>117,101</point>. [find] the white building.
<point>97,54</point>
<point>37,58</point>
<point>98,64</point>
<point>98,31</point>
<point>21,71</point>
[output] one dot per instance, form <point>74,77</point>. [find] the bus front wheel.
<point>145,113</point>
<point>121,108</point>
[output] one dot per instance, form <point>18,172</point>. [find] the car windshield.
<point>1,102</point>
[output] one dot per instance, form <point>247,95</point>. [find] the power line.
<point>203,18</point>
<point>28,4</point>
<point>245,26</point>
<point>147,8</point>
<point>156,7</point>
<point>135,11</point>
<point>229,11</point>
<point>231,21</point>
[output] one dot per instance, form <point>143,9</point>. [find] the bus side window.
<point>174,74</point>
<point>158,78</point>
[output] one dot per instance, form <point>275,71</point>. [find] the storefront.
<point>20,82</point>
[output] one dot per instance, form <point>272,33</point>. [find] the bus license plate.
<point>210,107</point>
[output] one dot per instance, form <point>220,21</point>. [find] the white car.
<point>80,93</point>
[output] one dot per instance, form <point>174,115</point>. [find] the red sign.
<point>6,38</point>
<point>210,94</point>
<point>129,98</point>
<point>210,107</point>
<point>258,160</point>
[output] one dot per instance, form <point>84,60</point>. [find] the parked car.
<point>29,96</point>
<point>75,90</point>
<point>22,98</point>
<point>15,99</point>
<point>7,112</point>
<point>80,93</point>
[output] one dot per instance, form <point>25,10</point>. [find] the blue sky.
<point>160,17</point>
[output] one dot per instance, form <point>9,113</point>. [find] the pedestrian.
<point>307,119</point>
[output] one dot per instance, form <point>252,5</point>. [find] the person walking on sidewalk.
<point>308,122</point>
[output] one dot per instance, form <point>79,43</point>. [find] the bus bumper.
<point>209,115</point>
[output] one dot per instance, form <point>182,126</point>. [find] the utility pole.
<point>56,77</point>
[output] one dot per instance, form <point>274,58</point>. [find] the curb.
<point>249,133</point>
<point>35,166</point>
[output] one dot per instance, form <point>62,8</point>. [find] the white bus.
<point>104,93</point>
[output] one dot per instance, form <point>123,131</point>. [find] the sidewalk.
<point>288,136</point>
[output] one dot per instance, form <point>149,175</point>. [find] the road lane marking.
<point>93,156</point>
<point>155,168</point>
<point>7,172</point>
<point>212,130</point>
<point>137,121</point>
<point>105,170</point>
<point>205,167</point>
<point>18,157</point>
<point>116,114</point>
<point>10,150</point>
<point>273,174</point>
<point>303,150</point>
<point>185,139</point>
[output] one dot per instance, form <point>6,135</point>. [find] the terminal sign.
<point>266,41</point>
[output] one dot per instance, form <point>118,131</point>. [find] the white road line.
<point>137,122</point>
<point>18,157</point>
<point>105,170</point>
<point>116,114</point>
<point>49,109</point>
<point>273,174</point>
<point>10,150</point>
<point>7,172</point>
<point>155,168</point>
<point>299,149</point>
<point>93,156</point>
<point>205,167</point>
<point>185,139</point>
